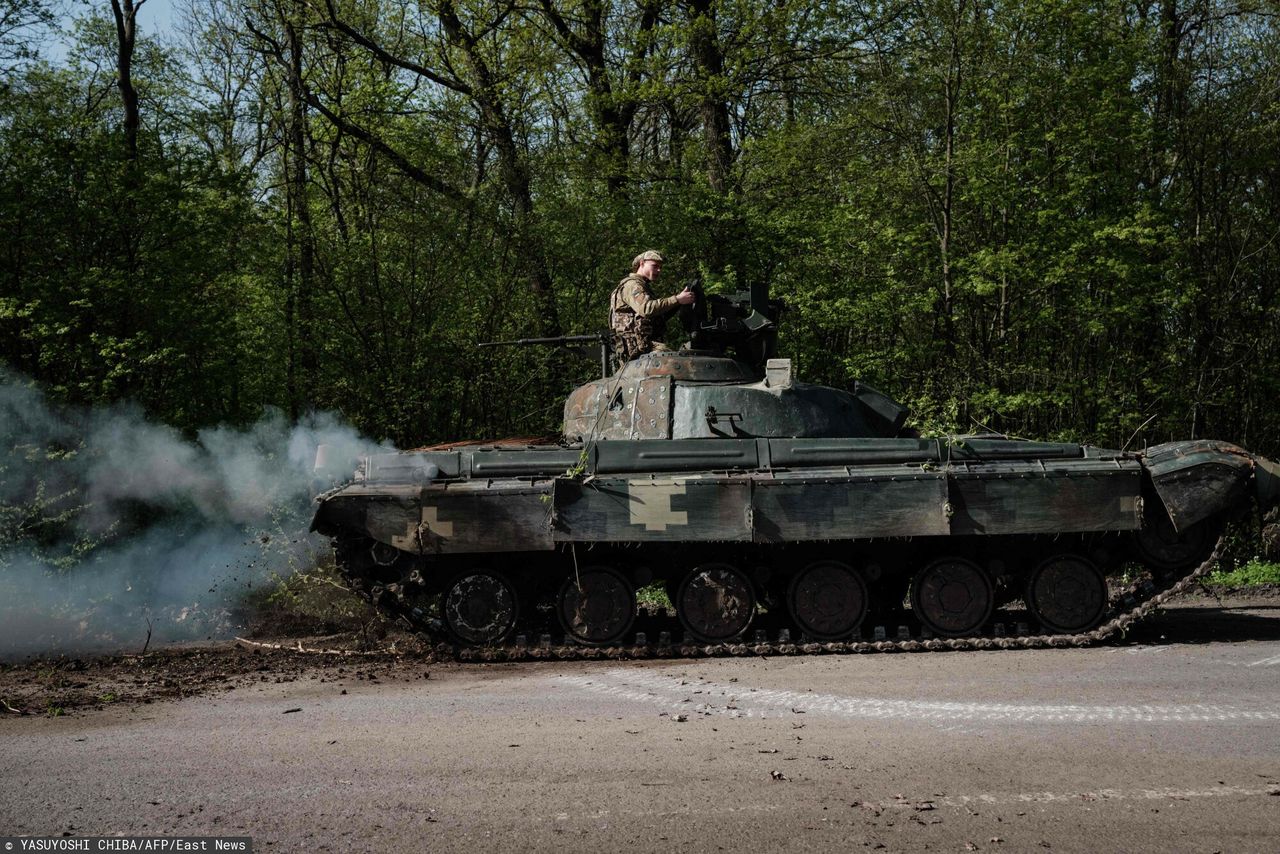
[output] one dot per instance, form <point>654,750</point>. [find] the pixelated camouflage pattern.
<point>529,500</point>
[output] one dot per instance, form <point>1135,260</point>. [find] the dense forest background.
<point>1054,218</point>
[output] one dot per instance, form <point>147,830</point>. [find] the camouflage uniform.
<point>637,318</point>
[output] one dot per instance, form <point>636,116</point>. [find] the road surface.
<point>1169,742</point>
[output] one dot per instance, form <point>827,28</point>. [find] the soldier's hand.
<point>685,297</point>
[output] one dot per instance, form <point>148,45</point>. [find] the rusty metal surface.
<point>586,407</point>
<point>651,409</point>
<point>508,442</point>
<point>689,366</point>
<point>619,409</point>
<point>1196,479</point>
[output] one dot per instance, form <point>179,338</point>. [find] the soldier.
<point>637,318</point>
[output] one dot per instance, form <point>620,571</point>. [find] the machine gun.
<point>602,339</point>
<point>745,323</point>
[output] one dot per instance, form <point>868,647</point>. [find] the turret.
<point>725,383</point>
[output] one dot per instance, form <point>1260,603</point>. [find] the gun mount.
<point>725,383</point>
<point>743,325</point>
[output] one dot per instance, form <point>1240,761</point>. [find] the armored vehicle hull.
<point>821,539</point>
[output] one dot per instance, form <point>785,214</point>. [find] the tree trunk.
<point>610,115</point>
<point>300,264</point>
<point>126,14</point>
<point>713,111</point>
<point>512,166</point>
<point>951,101</point>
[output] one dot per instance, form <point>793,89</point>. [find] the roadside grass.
<point>1255,573</point>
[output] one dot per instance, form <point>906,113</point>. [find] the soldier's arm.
<point>646,306</point>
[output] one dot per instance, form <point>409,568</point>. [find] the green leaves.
<point>1054,219</point>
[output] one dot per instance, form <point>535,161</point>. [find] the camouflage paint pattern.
<point>505,500</point>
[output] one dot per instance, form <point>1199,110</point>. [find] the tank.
<point>772,511</point>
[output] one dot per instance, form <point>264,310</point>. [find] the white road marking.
<point>957,801</point>
<point>707,808</point>
<point>1265,662</point>
<point>1097,795</point>
<point>740,701</point>
<point>1147,650</point>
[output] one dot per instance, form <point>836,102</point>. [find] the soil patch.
<point>64,685</point>
<point>1253,592</point>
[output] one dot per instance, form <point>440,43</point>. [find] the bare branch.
<point>397,159</point>
<point>386,56</point>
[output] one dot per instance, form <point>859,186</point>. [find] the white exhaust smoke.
<point>113,526</point>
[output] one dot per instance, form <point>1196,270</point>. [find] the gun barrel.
<point>600,339</point>
<point>527,342</point>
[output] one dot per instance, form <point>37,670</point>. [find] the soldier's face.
<point>650,269</point>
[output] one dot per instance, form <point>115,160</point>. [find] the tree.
<point>19,21</point>
<point>126,18</point>
<point>1053,220</point>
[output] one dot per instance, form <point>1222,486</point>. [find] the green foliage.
<point>1252,574</point>
<point>654,599</point>
<point>42,506</point>
<point>22,23</point>
<point>1055,220</point>
<point>122,288</point>
<point>311,601</point>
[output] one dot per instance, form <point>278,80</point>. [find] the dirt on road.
<point>67,684</point>
<point>1168,740</point>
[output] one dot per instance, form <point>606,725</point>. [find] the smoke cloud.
<point>112,525</point>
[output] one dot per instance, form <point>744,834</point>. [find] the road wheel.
<point>828,600</point>
<point>597,605</point>
<point>1163,550</point>
<point>480,607</point>
<point>715,603</point>
<point>953,597</point>
<point>1067,594</point>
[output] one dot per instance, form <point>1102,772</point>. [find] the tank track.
<point>1124,609</point>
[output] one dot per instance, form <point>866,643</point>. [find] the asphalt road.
<point>1169,743</point>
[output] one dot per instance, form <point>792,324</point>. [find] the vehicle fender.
<point>1200,478</point>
